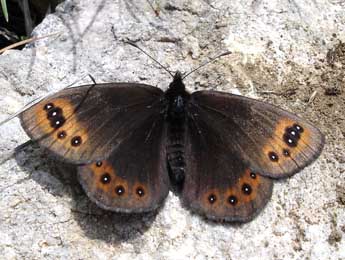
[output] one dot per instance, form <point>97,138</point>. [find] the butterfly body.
<point>177,99</point>
<point>132,141</point>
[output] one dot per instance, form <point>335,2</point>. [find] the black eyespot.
<point>298,128</point>
<point>246,189</point>
<point>273,156</point>
<point>57,122</point>
<point>290,140</point>
<point>253,175</point>
<point>54,112</point>
<point>232,200</point>
<point>105,178</point>
<point>293,132</point>
<point>61,134</point>
<point>140,192</point>
<point>120,190</point>
<point>99,164</point>
<point>286,152</point>
<point>76,141</point>
<point>212,198</point>
<point>48,106</point>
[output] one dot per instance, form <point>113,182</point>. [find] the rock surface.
<point>290,53</point>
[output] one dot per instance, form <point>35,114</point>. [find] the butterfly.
<point>133,142</point>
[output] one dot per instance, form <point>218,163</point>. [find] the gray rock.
<point>290,53</point>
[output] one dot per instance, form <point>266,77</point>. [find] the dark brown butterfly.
<point>131,142</point>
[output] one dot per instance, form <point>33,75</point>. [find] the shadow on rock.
<point>60,179</point>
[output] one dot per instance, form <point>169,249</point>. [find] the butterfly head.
<point>178,75</point>
<point>177,83</point>
<point>176,87</point>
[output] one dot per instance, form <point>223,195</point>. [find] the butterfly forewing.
<point>86,123</point>
<point>272,141</point>
<point>134,177</point>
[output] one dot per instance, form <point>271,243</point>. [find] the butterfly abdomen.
<point>175,150</point>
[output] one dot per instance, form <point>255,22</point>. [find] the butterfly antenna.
<point>156,10</point>
<point>162,66</point>
<point>207,62</point>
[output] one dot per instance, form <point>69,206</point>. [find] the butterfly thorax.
<point>177,98</point>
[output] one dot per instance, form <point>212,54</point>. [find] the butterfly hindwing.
<point>134,177</point>
<point>234,146</point>
<point>86,123</point>
<point>218,183</point>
